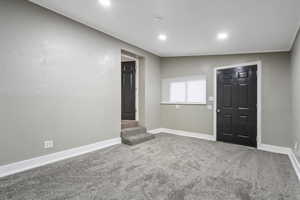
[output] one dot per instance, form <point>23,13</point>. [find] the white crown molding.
<point>196,54</point>
<point>25,165</point>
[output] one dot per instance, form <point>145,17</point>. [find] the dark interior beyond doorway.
<point>128,90</point>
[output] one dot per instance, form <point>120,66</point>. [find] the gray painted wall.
<point>276,94</point>
<point>295,63</point>
<point>60,80</point>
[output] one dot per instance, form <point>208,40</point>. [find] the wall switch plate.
<point>209,107</point>
<point>48,144</point>
<point>177,106</point>
<point>211,98</point>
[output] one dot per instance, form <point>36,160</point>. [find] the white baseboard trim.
<point>283,150</point>
<point>263,147</point>
<point>295,163</point>
<point>25,165</point>
<point>184,133</point>
<point>155,131</point>
<point>274,149</point>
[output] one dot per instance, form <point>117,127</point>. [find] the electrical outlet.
<point>211,98</point>
<point>48,144</point>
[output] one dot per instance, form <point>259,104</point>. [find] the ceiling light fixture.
<point>222,36</point>
<point>105,3</point>
<point>162,37</point>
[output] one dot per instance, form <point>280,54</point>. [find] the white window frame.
<point>170,91</point>
<point>196,102</point>
<point>185,80</point>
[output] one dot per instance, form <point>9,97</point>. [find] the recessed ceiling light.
<point>222,36</point>
<point>162,37</point>
<point>105,3</point>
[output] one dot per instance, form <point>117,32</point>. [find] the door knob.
<point>218,110</point>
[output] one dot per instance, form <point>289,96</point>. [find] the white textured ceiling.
<point>191,25</point>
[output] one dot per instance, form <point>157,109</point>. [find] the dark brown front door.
<point>237,105</point>
<point>128,90</point>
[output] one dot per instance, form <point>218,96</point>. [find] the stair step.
<point>129,124</point>
<point>137,139</point>
<point>133,131</point>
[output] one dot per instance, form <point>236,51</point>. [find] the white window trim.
<point>185,88</point>
<point>186,93</point>
<point>186,79</point>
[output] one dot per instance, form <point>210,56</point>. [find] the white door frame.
<point>136,84</point>
<point>259,77</point>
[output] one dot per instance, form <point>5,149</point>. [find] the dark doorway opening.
<point>128,90</point>
<point>237,105</point>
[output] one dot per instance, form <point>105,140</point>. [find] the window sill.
<point>171,103</point>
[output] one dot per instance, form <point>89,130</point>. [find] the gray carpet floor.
<point>168,167</point>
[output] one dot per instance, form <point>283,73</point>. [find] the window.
<point>196,91</point>
<point>185,90</point>
<point>177,92</point>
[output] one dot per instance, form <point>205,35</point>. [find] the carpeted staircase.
<point>135,134</point>
<point>129,124</point>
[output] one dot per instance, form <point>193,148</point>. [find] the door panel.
<point>227,99</point>
<point>236,102</point>
<point>128,90</point>
<point>227,124</point>
<point>243,95</point>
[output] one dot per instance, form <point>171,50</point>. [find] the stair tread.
<point>133,131</point>
<point>141,135</point>
<point>138,138</point>
<point>133,128</point>
<point>129,124</point>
